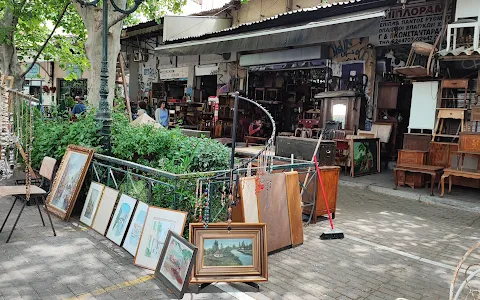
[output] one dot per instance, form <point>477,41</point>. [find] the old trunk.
<point>92,18</point>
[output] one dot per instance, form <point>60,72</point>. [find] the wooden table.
<point>433,171</point>
<point>450,172</point>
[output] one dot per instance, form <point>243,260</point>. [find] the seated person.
<point>255,128</point>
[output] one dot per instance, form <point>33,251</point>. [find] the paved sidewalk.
<point>394,248</point>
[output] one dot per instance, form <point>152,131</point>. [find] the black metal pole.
<point>103,114</point>
<point>234,131</point>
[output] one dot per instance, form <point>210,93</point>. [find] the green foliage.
<point>53,136</point>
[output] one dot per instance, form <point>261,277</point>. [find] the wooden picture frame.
<point>363,163</point>
<point>155,229</point>
<point>180,254</point>
<point>251,239</point>
<point>92,201</point>
<point>69,180</point>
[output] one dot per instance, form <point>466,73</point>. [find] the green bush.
<point>167,150</point>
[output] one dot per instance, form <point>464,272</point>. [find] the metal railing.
<point>178,191</point>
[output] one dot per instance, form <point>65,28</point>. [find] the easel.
<point>201,286</point>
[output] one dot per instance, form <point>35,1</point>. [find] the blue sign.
<point>34,72</point>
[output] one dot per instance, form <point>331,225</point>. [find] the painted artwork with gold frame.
<point>236,256</point>
<point>69,180</point>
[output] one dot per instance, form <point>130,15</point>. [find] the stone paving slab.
<point>393,248</point>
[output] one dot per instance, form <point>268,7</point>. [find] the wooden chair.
<point>20,191</point>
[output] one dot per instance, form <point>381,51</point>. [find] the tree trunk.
<point>8,53</point>
<point>92,18</point>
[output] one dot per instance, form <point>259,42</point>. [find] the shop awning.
<point>330,29</point>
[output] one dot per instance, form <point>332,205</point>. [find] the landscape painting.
<point>121,218</point>
<point>135,229</point>
<point>159,221</point>
<point>227,252</point>
<point>91,203</point>
<point>68,181</point>
<point>176,263</point>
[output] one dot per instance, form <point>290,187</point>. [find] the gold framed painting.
<point>69,180</point>
<point>236,256</point>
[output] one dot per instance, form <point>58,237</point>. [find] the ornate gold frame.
<point>207,274</point>
<point>71,148</point>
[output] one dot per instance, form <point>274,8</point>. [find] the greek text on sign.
<point>174,73</point>
<point>417,22</point>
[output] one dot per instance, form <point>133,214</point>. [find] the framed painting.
<point>105,210</point>
<point>69,180</point>
<point>157,224</point>
<point>91,203</point>
<point>236,256</point>
<point>365,155</point>
<point>135,230</point>
<point>175,264</point>
<point>121,218</point>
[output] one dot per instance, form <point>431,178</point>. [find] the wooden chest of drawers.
<point>414,157</point>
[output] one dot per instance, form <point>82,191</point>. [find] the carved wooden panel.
<point>416,141</point>
<point>440,154</point>
<point>470,142</point>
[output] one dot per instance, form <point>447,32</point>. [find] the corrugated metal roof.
<point>213,11</point>
<point>303,10</point>
<point>459,51</point>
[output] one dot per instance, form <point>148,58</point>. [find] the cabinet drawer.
<point>455,83</point>
<point>412,157</point>
<point>451,113</point>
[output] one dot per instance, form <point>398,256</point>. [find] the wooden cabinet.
<point>417,141</point>
<point>387,95</point>
<point>330,177</point>
<point>326,153</point>
<point>411,157</point>
<point>440,154</point>
<point>470,142</point>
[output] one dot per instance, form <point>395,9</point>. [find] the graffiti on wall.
<point>348,50</point>
<point>148,74</point>
<point>390,58</point>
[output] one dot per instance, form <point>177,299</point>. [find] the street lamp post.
<point>103,114</point>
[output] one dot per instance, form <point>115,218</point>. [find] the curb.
<point>427,199</point>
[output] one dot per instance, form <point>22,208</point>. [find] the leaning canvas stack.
<point>229,252</point>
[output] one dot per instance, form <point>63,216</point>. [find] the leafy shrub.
<point>167,150</point>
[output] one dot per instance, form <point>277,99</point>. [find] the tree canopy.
<point>26,25</point>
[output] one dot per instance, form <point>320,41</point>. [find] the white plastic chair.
<point>467,14</point>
